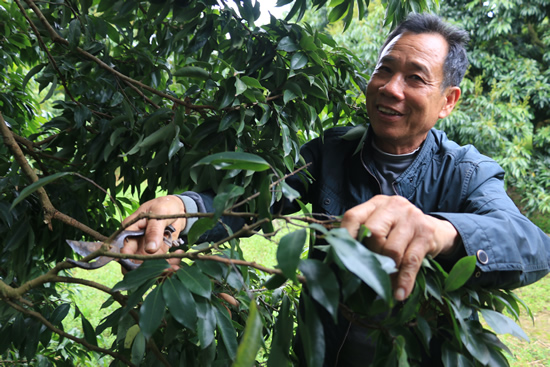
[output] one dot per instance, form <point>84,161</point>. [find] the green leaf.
<point>460,273</point>
<point>298,61</point>
<point>89,332</point>
<point>60,313</point>
<point>192,72</point>
<point>175,146</point>
<point>251,340</point>
<point>180,302</point>
<point>240,86</point>
<point>36,185</point>
<point>35,70</point>
<point>138,348</point>
<point>74,33</point>
<point>361,262</point>
<point>289,251</point>
<point>251,82</point>
<point>287,44</point>
<point>228,333</point>
<point>235,160</point>
<point>165,133</point>
<point>311,333</point>
<point>195,281</point>
<point>470,336</point>
<point>424,331</point>
<point>148,270</point>
<point>291,91</point>
<point>151,313</point>
<point>282,336</point>
<point>322,285</point>
<point>206,323</point>
<point>228,97</point>
<point>81,115</point>
<point>338,12</point>
<point>275,281</point>
<point>288,95</point>
<point>502,324</point>
<point>51,91</point>
<point>228,120</point>
<point>289,192</point>
<point>131,334</point>
<point>452,358</point>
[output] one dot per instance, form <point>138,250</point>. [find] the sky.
<point>268,6</point>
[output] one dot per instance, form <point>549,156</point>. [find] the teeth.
<point>388,111</point>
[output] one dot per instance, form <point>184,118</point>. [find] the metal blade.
<point>84,248</point>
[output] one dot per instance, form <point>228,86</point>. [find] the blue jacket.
<point>445,180</point>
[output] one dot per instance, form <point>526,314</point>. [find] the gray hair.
<point>456,61</point>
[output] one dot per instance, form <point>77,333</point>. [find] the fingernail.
<point>151,246</point>
<point>400,294</point>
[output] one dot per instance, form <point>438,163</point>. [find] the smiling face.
<point>404,94</point>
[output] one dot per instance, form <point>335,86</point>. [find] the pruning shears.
<point>84,249</point>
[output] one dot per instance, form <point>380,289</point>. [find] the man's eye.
<point>383,69</point>
<point>417,78</point>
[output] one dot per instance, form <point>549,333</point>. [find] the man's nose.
<point>394,86</point>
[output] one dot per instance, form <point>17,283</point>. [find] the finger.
<point>154,235</point>
<point>131,246</point>
<point>410,265</point>
<point>356,216</point>
<point>397,242</point>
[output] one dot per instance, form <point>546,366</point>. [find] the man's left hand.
<point>403,232</point>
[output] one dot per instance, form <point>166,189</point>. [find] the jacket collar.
<point>414,174</point>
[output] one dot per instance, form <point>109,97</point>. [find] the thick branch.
<point>20,158</point>
<point>534,36</point>
<point>49,210</point>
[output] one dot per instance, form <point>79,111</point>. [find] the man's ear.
<point>452,94</point>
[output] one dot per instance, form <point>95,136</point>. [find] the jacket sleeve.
<point>203,203</point>
<point>511,251</point>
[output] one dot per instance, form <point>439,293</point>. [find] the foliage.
<point>102,98</point>
<point>506,95</point>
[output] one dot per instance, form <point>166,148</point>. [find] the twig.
<point>270,186</point>
<point>148,100</point>
<point>43,46</point>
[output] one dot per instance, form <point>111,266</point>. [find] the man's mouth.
<point>389,111</point>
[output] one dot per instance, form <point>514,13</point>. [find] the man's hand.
<point>152,242</point>
<point>401,231</point>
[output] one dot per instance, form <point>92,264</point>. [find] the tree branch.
<point>49,210</point>
<point>43,46</point>
<point>60,332</point>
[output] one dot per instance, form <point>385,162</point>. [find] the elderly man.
<point>419,193</point>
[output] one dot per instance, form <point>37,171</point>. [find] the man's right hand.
<point>152,242</point>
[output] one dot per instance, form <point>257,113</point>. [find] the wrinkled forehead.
<point>423,51</point>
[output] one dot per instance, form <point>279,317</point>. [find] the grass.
<point>535,352</point>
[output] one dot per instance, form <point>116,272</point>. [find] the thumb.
<point>407,275</point>
<point>154,234</point>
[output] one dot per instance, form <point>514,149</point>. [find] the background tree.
<point>507,94</point>
<point>103,102</point>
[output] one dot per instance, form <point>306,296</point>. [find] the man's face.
<point>404,95</point>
